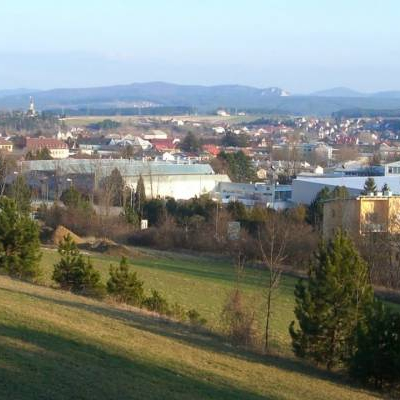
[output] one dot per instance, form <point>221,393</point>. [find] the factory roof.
<point>104,167</point>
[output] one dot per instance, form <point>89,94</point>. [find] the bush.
<point>195,319</point>
<point>124,286</point>
<point>156,303</point>
<point>238,320</point>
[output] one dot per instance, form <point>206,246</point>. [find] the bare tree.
<point>272,240</point>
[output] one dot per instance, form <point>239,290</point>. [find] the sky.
<point>298,45</point>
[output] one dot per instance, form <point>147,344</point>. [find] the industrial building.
<point>161,179</point>
<point>306,188</point>
<point>255,194</point>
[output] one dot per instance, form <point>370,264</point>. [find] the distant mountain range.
<point>15,92</point>
<point>200,98</point>
<point>346,92</point>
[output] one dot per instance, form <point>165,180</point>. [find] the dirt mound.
<point>61,232</point>
<point>108,247</point>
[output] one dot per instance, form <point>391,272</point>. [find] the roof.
<point>40,143</point>
<point>4,142</point>
<point>104,167</point>
<point>163,144</point>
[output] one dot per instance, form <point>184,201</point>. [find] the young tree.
<point>369,186</point>
<point>74,273</point>
<point>124,285</point>
<point>140,196</point>
<point>385,188</point>
<point>21,193</point>
<point>272,239</point>
<point>377,358</point>
<point>19,242</point>
<point>331,303</point>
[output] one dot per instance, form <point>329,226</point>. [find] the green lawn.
<point>56,346</point>
<point>203,283</point>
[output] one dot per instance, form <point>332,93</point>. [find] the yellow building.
<point>6,145</point>
<point>361,215</point>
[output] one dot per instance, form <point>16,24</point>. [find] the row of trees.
<point>76,274</point>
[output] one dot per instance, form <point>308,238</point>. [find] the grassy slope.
<point>203,284</point>
<point>54,345</point>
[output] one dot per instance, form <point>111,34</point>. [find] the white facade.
<point>180,187</point>
<point>59,153</point>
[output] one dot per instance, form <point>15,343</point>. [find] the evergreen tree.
<point>140,196</point>
<point>369,186</point>
<point>339,192</point>
<point>19,242</point>
<point>124,285</point>
<point>191,143</point>
<point>385,188</point>
<point>316,208</point>
<point>21,193</point>
<point>377,359</point>
<point>71,197</point>
<point>331,303</point>
<point>74,273</point>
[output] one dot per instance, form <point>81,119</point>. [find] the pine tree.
<point>19,242</point>
<point>331,303</point>
<point>385,188</point>
<point>369,186</point>
<point>140,196</point>
<point>74,273</point>
<point>124,285</point>
<point>377,359</point>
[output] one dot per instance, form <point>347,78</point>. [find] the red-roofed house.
<point>211,149</point>
<point>163,145</point>
<point>57,148</point>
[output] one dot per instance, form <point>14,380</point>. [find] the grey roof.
<point>104,167</point>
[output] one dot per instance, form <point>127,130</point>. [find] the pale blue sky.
<point>299,45</point>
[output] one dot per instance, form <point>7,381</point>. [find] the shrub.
<point>238,320</point>
<point>156,303</point>
<point>195,318</point>
<point>124,286</point>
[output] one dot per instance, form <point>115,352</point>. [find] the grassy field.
<point>201,283</point>
<point>134,119</point>
<point>55,345</point>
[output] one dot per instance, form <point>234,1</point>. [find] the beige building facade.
<point>362,215</point>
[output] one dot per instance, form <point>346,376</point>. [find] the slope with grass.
<point>55,345</point>
<point>202,283</point>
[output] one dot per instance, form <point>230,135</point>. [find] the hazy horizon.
<point>301,47</point>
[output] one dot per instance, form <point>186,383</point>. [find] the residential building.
<point>57,148</point>
<point>362,215</point>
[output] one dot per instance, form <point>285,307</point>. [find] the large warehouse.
<point>161,179</point>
